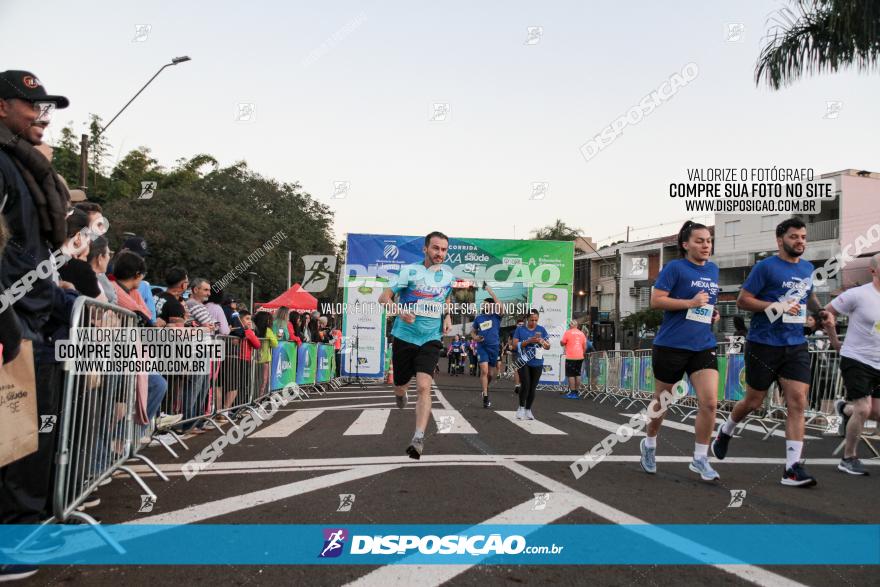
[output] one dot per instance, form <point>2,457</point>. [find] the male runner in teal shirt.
<point>422,291</point>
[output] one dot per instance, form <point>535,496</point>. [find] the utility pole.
<point>617,342</point>
<point>627,233</point>
<point>83,162</point>
<point>289,261</point>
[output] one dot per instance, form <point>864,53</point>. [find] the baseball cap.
<point>136,244</point>
<point>24,85</point>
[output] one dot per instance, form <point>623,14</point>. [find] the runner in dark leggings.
<point>531,342</point>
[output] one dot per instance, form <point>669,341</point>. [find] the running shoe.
<point>797,476</point>
<point>701,465</point>
<point>719,445</point>
<point>16,572</point>
<point>529,415</point>
<point>167,421</point>
<point>401,400</point>
<point>414,450</point>
<point>520,413</point>
<point>844,419</point>
<point>486,402</point>
<point>648,460</point>
<point>572,395</point>
<point>853,466</point>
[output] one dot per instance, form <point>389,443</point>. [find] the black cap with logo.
<point>26,86</point>
<point>136,244</point>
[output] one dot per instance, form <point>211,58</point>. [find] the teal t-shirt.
<point>423,292</point>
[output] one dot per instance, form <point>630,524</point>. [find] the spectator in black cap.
<point>35,211</point>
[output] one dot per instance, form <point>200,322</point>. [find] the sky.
<point>344,94</point>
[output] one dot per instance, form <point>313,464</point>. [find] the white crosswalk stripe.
<point>530,426</point>
<point>605,425</point>
<point>287,425</point>
<point>451,422</point>
<point>370,422</point>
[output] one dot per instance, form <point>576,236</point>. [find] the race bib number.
<point>485,325</point>
<point>539,352</point>
<point>702,314</point>
<point>799,318</point>
<point>428,309</point>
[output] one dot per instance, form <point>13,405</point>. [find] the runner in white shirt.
<point>859,362</point>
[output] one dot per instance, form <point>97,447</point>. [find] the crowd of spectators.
<point>39,286</point>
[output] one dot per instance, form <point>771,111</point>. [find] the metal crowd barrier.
<point>625,378</point>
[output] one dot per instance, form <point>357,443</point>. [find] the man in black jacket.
<point>35,204</point>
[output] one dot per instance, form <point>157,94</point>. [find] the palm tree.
<point>826,35</point>
<point>558,231</point>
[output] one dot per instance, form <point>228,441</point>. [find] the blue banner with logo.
<point>555,544</point>
<point>283,365</point>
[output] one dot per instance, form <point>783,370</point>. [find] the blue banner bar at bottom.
<point>376,544</point>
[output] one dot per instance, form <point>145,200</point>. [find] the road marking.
<point>457,424</point>
<point>530,426</point>
<point>236,503</point>
<point>288,425</point>
<point>430,460</point>
<point>605,425</point>
<point>670,540</point>
<point>369,422</point>
<point>353,407</point>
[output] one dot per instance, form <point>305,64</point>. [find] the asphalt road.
<point>482,465</point>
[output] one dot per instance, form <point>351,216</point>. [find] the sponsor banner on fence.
<point>283,365</point>
<point>306,363</point>
<point>557,544</point>
<point>325,363</point>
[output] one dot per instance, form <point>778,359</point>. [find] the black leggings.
<point>528,379</point>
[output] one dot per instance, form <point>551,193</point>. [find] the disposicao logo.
<point>550,297</point>
<point>334,542</point>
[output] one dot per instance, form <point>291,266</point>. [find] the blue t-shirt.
<point>688,329</point>
<point>771,280</point>
<point>533,352</point>
<point>489,327</point>
<point>424,292</point>
<point>457,346</point>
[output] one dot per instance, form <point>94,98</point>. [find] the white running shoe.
<point>529,415</point>
<point>701,465</point>
<point>520,413</point>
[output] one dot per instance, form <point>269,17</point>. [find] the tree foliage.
<point>207,218</point>
<point>558,231</point>
<point>820,35</point>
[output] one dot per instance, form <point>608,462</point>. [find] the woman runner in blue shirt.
<point>686,290</point>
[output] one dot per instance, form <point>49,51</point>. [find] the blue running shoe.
<point>701,465</point>
<point>648,460</point>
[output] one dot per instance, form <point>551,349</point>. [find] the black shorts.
<point>573,367</point>
<point>766,363</point>
<point>860,380</point>
<point>407,359</point>
<point>670,364</point>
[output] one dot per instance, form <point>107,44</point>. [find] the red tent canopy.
<point>296,298</point>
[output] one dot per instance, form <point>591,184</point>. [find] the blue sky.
<point>344,92</point>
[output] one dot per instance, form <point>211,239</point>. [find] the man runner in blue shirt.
<point>422,291</point>
<point>778,291</point>
<point>486,330</point>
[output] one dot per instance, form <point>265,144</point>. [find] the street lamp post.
<point>84,140</point>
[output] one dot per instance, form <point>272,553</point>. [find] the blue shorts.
<point>487,354</point>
